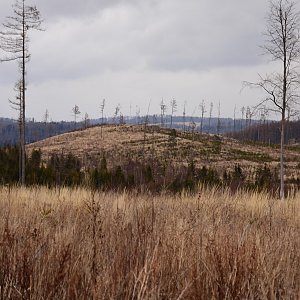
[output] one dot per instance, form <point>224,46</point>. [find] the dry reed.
<point>75,244</point>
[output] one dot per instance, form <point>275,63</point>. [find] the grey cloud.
<point>54,9</point>
<point>152,40</point>
<point>205,37</point>
<point>160,35</point>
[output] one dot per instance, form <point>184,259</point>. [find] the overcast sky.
<point>132,52</point>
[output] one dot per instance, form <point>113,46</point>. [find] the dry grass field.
<point>120,143</point>
<point>75,244</point>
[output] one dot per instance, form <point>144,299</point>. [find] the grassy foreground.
<point>71,244</point>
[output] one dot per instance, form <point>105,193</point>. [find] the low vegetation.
<point>78,244</point>
<point>169,153</point>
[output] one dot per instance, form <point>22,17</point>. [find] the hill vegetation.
<point>154,157</point>
<point>150,158</point>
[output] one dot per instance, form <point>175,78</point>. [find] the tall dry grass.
<point>75,244</point>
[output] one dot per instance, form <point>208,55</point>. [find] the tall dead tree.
<point>163,109</point>
<point>116,113</point>
<point>210,115</point>
<point>282,45</point>
<point>184,115</point>
<point>173,105</point>
<point>86,121</point>
<point>137,115</point>
<point>14,40</point>
<point>102,106</point>
<point>219,119</point>
<point>45,120</point>
<point>76,112</point>
<point>234,118</point>
<point>203,111</point>
<point>242,120</point>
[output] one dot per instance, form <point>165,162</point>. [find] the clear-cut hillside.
<point>130,142</point>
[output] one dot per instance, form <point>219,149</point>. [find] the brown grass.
<point>76,244</point>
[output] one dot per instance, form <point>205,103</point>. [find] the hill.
<point>122,144</point>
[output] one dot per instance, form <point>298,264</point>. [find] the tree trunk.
<point>282,156</point>
<point>23,99</point>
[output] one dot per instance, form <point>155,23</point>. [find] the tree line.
<point>67,170</point>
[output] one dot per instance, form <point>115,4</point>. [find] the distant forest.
<point>269,133</point>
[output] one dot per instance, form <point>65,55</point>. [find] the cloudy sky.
<point>136,52</point>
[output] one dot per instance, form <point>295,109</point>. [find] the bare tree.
<point>248,116</point>
<point>163,109</point>
<point>263,114</point>
<point>46,116</point>
<point>210,115</point>
<point>102,106</point>
<point>282,44</point>
<point>219,119</point>
<point>184,115</point>
<point>45,120</point>
<point>173,104</point>
<point>86,121</point>
<point>137,115</point>
<point>243,113</point>
<point>121,119</point>
<point>117,110</point>
<point>146,121</point>
<point>203,111</point>
<point>14,40</point>
<point>76,112</point>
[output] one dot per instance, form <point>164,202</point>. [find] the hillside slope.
<point>130,142</point>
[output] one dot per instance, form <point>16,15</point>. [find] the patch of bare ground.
<point>76,244</point>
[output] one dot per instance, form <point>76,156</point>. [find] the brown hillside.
<point>124,142</point>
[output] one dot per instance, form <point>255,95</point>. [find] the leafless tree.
<point>76,112</point>
<point>173,105</point>
<point>203,111</point>
<point>146,121</point>
<point>242,121</point>
<point>86,121</point>
<point>192,126</point>
<point>102,106</point>
<point>248,116</point>
<point>116,113</point>
<point>219,119</point>
<point>210,115</point>
<point>14,41</point>
<point>46,116</point>
<point>45,120</point>
<point>137,115</point>
<point>163,109</point>
<point>282,44</point>
<point>184,115</point>
<point>121,118</point>
<point>263,113</point>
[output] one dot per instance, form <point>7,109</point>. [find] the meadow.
<point>80,244</point>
